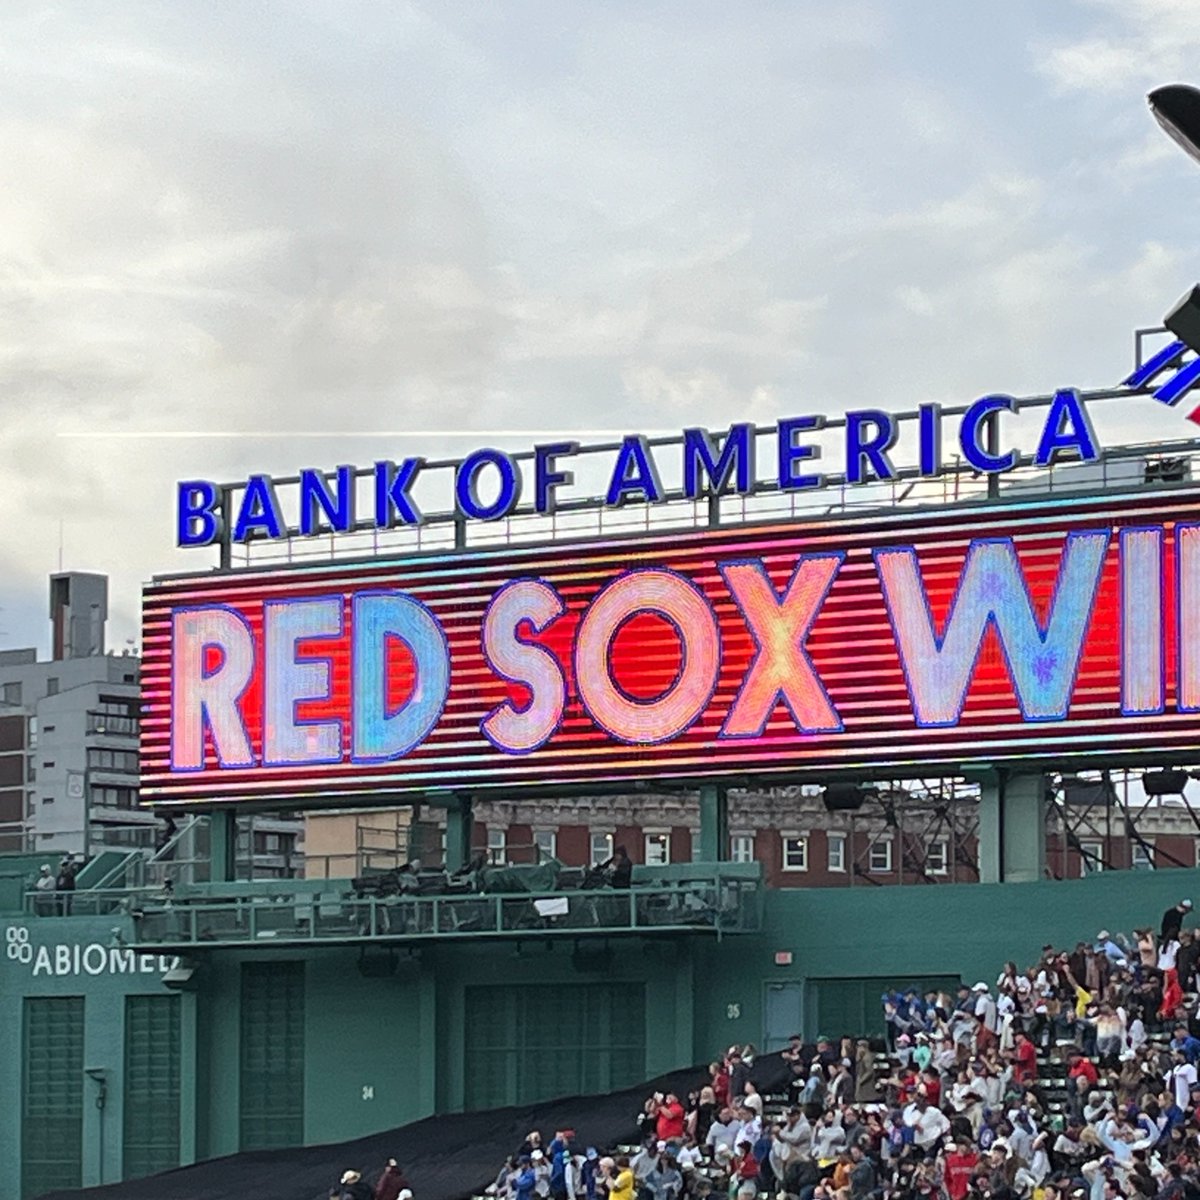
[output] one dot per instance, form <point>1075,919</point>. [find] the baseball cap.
<point>980,987</point>
<point>537,1155</point>
<point>661,1146</point>
<point>1185,904</point>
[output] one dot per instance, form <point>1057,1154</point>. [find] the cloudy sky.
<point>342,218</point>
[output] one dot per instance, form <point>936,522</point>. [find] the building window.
<point>12,693</point>
<point>274,843</point>
<point>795,853</point>
<point>1142,856</point>
<point>602,848</point>
<point>658,849</point>
<point>741,848</point>
<point>1196,851</point>
<point>1091,858</point>
<point>546,842</point>
<point>497,847</point>
<point>101,759</point>
<point>124,835</point>
<point>52,686</point>
<point>48,765</point>
<point>113,797</point>
<point>112,723</point>
<point>879,858</point>
<point>937,857</point>
<point>837,851</point>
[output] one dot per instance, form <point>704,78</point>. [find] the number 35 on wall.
<point>733,1011</point>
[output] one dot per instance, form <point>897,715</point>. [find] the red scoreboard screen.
<point>972,635</point>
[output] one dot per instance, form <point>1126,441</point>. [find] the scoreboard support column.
<point>222,826</point>
<point>1012,827</point>
<point>714,823</point>
<point>459,819</point>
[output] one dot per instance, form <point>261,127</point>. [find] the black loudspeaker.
<point>843,797</point>
<point>1164,783</point>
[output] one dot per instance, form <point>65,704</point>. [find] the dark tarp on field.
<point>444,1158</point>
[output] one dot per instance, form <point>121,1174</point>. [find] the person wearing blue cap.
<point>526,1179</point>
<point>589,1171</point>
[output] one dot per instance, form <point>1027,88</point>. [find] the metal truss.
<point>918,814</point>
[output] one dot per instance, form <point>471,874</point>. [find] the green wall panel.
<point>271,1095</point>
<point>53,1089</point>
<point>535,1042</point>
<point>151,1118</point>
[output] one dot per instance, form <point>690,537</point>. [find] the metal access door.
<point>784,1014</point>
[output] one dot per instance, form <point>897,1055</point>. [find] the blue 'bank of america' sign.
<point>725,463</point>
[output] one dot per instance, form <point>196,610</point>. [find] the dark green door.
<point>52,1094</point>
<point>272,1078</point>
<point>534,1043</point>
<point>151,1085</point>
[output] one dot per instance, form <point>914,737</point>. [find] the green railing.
<point>723,902</point>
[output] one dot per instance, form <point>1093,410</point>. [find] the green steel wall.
<point>151,1084</point>
<point>206,1055</point>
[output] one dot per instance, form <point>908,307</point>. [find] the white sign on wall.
<point>79,958</point>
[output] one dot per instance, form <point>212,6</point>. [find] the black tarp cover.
<point>444,1158</point>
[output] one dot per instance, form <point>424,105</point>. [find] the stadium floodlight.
<point>1184,319</point>
<point>1176,107</point>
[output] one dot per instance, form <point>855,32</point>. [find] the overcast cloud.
<point>348,217</point>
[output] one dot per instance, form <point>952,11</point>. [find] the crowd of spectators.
<point>1075,1079</point>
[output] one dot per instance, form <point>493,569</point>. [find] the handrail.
<point>715,902</point>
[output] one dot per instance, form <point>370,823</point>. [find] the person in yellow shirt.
<point>620,1180</point>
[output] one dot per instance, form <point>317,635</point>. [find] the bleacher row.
<point>1049,1087</point>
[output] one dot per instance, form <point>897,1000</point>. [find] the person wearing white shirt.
<point>1181,1077</point>
<point>724,1131</point>
<point>929,1124</point>
<point>1167,955</point>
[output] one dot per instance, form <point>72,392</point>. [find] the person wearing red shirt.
<point>1082,1068</point>
<point>719,1073</point>
<point>960,1164</point>
<point>1026,1053</point>
<point>745,1165</point>
<point>670,1119</point>
<point>1081,1078</point>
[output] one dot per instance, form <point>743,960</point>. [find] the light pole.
<point>1176,107</point>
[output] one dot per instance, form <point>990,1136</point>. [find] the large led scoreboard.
<point>960,636</point>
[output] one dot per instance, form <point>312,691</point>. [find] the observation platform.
<point>715,899</point>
